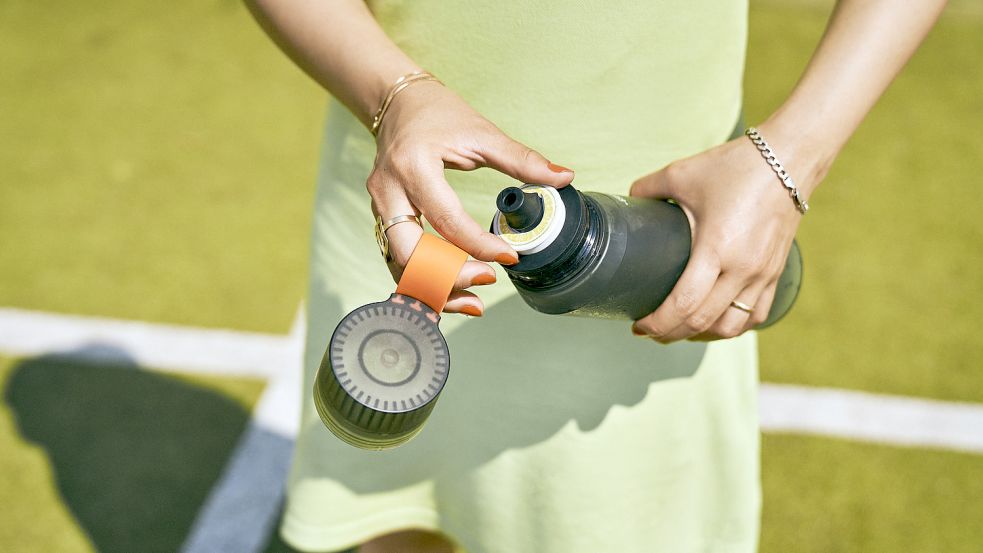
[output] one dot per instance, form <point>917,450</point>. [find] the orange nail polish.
<point>507,258</point>
<point>484,278</point>
<point>558,168</point>
<point>471,310</point>
<point>635,330</point>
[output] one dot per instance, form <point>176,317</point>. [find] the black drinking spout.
<point>522,210</point>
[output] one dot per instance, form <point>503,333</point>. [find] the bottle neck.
<point>574,252</point>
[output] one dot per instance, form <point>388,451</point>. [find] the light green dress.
<point>553,434</point>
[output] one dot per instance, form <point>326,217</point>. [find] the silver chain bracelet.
<point>769,155</point>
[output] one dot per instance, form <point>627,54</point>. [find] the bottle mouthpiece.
<point>522,210</point>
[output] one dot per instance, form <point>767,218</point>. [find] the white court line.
<point>203,350</point>
<point>848,414</point>
<point>895,420</point>
<point>274,357</point>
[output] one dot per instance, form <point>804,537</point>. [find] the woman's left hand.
<point>743,222</point>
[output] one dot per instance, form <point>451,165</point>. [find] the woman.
<point>559,434</point>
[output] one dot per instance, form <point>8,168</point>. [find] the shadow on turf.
<point>134,453</point>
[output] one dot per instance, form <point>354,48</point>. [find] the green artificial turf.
<point>157,162</point>
<point>892,294</point>
<point>110,459</point>
<point>832,496</point>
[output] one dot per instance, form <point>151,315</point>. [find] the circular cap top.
<point>390,356</point>
<point>387,362</point>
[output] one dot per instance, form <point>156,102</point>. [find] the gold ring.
<point>742,306</point>
<point>381,228</point>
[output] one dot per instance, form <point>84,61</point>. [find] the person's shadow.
<point>134,453</point>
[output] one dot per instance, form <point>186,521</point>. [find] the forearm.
<point>865,45</point>
<point>339,44</point>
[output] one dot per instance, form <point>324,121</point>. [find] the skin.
<point>427,129</point>
<point>742,218</point>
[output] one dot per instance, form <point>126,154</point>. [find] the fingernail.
<point>636,331</point>
<point>507,258</point>
<point>471,310</point>
<point>484,278</point>
<point>558,168</point>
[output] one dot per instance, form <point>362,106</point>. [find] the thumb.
<point>524,164</point>
<point>654,185</point>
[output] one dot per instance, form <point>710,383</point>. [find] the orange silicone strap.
<point>431,271</point>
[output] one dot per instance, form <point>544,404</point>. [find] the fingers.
<point>403,238</point>
<point>465,303</point>
<point>423,185</point>
<point>523,163</point>
<point>763,307</point>
<point>474,273</point>
<point>686,298</point>
<point>716,316</point>
<point>443,210</point>
<point>734,321</point>
<point>706,317</point>
<point>402,241</point>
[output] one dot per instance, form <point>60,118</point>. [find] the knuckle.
<point>730,330</point>
<point>743,266</point>
<point>404,161</point>
<point>686,302</point>
<point>775,267</point>
<point>675,171</point>
<point>379,184</point>
<point>374,183</point>
<point>699,322</point>
<point>444,220</point>
<point>654,330</point>
<point>524,152</point>
<point>758,317</point>
<point>754,262</point>
<point>531,157</point>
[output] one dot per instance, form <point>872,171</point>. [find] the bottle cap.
<point>387,362</point>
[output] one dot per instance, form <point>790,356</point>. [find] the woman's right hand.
<point>429,128</point>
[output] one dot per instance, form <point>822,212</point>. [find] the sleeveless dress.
<point>553,434</point>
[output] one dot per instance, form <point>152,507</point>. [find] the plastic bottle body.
<point>641,248</point>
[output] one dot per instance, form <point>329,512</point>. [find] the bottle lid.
<point>387,362</point>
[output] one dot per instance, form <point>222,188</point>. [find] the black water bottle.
<point>606,256</point>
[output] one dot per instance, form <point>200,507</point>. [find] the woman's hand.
<point>427,129</point>
<point>743,223</point>
<point>740,214</point>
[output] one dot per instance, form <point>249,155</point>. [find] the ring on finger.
<point>382,226</point>
<point>742,306</point>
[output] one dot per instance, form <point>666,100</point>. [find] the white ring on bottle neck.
<point>544,233</point>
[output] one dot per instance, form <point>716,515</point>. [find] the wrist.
<point>379,85</point>
<point>806,153</point>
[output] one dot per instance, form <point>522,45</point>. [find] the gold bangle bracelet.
<point>397,87</point>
